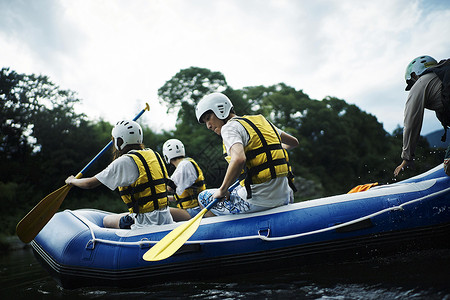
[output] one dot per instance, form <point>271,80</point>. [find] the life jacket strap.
<point>151,183</point>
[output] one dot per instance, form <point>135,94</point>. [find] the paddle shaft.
<point>215,200</point>
<point>212,204</point>
<point>110,143</point>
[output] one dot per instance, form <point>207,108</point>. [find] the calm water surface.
<point>418,275</point>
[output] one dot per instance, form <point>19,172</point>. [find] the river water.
<point>423,274</point>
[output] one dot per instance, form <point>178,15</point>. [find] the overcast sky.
<point>116,53</point>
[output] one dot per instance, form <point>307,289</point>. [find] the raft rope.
<point>144,242</point>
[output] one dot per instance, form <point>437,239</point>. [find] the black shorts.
<point>126,222</point>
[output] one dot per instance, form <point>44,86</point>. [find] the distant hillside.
<point>434,139</point>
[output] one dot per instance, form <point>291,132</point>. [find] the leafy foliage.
<point>340,145</point>
<point>185,89</point>
<point>43,140</point>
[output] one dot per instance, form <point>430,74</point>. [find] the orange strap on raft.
<point>362,187</point>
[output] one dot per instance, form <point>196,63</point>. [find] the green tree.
<point>16,119</point>
<point>340,145</point>
<point>182,92</point>
<point>35,121</point>
<point>42,140</point>
<point>426,157</point>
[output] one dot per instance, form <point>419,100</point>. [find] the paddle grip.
<point>214,202</point>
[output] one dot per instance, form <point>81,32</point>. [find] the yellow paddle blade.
<point>174,239</point>
<point>35,220</point>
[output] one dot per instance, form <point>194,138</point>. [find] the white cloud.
<point>116,54</point>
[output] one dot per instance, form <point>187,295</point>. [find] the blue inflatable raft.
<point>408,215</point>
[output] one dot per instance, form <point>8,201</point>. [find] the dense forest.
<point>43,140</point>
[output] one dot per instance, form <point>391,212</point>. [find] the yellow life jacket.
<point>265,157</point>
<point>227,157</point>
<point>188,198</point>
<point>149,192</point>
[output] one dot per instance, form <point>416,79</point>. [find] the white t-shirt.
<point>272,193</point>
<point>184,176</point>
<point>123,171</point>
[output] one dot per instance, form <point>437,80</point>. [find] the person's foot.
<point>447,161</point>
<point>446,166</point>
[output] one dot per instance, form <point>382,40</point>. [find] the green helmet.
<point>417,66</point>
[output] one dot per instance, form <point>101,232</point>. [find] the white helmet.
<point>173,148</point>
<point>418,65</point>
<point>129,132</point>
<point>218,103</point>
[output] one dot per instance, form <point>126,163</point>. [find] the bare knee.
<point>209,214</point>
<point>179,214</point>
<point>113,220</point>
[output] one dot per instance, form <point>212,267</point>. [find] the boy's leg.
<point>447,161</point>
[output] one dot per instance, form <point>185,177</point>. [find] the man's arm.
<point>412,123</point>
<point>234,169</point>
<point>288,141</point>
<point>84,183</point>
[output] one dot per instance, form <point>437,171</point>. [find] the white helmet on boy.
<point>218,103</point>
<point>173,148</point>
<point>129,132</point>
